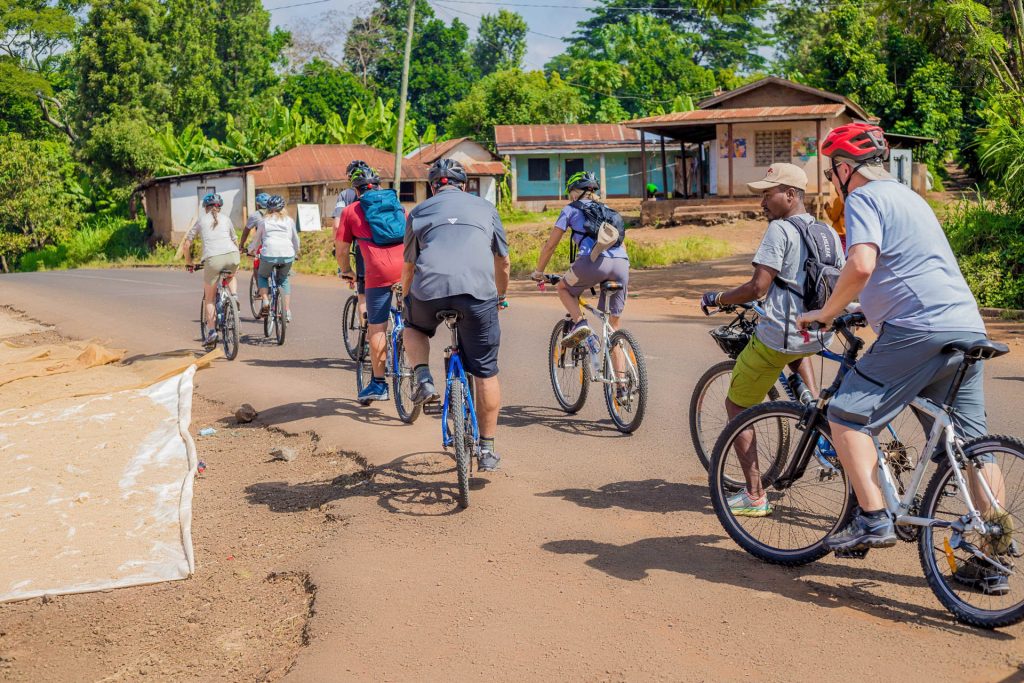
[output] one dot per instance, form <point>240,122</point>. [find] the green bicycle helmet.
<point>364,177</point>
<point>582,180</point>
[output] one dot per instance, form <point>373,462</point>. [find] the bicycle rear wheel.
<point>948,565</point>
<point>202,320</point>
<point>707,408</point>
<point>350,326</point>
<point>230,332</point>
<point>364,367</point>
<point>569,370</point>
<point>458,411</point>
<point>626,399</point>
<point>402,385</point>
<point>280,318</point>
<point>255,301</point>
<point>801,515</point>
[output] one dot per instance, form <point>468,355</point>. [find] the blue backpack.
<point>385,215</point>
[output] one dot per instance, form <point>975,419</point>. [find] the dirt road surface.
<point>590,556</point>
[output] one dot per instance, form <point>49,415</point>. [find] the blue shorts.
<point>479,333</point>
<point>378,304</point>
<point>284,267</point>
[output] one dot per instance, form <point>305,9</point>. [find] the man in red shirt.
<point>383,269</point>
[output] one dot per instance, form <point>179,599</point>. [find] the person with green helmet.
<point>610,262</point>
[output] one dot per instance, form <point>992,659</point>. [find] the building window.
<point>407,192</point>
<point>572,166</point>
<point>473,186</point>
<point>771,146</point>
<point>538,170</point>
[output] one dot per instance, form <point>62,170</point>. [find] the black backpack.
<point>596,214</point>
<point>822,265</point>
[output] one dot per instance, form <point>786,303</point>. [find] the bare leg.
<point>805,368</point>
<point>994,478</point>
<point>618,356</point>
<point>361,300</point>
<point>233,286</point>
<point>287,302</point>
<point>377,333</point>
<point>570,302</point>
<point>488,404</point>
<point>210,298</point>
<point>417,345</point>
<point>746,450</point>
<point>860,462</point>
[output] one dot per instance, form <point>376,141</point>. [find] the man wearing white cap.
<point>777,342</point>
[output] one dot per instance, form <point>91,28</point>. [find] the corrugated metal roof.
<point>706,116</point>
<point>428,154</point>
<point>484,168</point>
<point>315,164</point>
<point>590,135</point>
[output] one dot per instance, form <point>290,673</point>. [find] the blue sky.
<point>548,25</point>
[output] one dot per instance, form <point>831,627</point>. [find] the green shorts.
<point>757,369</point>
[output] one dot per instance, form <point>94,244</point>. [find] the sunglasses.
<point>828,174</point>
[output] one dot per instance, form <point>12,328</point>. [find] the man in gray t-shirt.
<point>778,277</point>
<point>456,258</point>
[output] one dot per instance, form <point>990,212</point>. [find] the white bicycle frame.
<point>606,333</point>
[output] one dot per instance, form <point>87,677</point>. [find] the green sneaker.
<point>742,505</point>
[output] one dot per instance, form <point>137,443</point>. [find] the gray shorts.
<point>901,365</point>
<point>584,274</point>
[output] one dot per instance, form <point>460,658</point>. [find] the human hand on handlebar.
<point>537,276</point>
<point>814,320</point>
<point>709,301</point>
<point>191,267</point>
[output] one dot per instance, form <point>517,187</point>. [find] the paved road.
<point>591,555</point>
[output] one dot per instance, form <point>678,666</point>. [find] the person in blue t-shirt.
<point>587,270</point>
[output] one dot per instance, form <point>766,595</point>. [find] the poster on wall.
<point>739,148</point>
<point>805,148</point>
<point>309,217</point>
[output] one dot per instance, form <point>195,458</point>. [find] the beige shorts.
<point>213,266</point>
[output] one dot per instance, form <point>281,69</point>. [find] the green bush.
<point>988,240</point>
<point>102,238</point>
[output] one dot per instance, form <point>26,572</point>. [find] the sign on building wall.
<point>309,217</point>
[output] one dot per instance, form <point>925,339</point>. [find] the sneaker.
<point>488,461</point>
<point>374,391</point>
<point>577,334</point>
<point>863,532</point>
<point>287,316</point>
<point>424,392</point>
<point>742,505</point>
<point>264,309</point>
<point>975,573</point>
<point>211,338</point>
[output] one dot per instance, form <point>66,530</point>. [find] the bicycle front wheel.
<point>626,399</point>
<point>280,318</point>
<point>255,301</point>
<point>230,332</point>
<point>458,411</point>
<point>792,530</point>
<point>350,326</point>
<point>402,384</point>
<point>973,590</point>
<point>569,370</point>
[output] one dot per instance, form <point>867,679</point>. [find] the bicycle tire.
<point>720,492</point>
<point>457,411</point>
<point>402,384</point>
<point>281,318</point>
<point>637,383</point>
<point>928,548</point>
<point>202,320</point>
<point>231,325</point>
<point>350,325</point>
<point>255,301</point>
<point>364,366</point>
<point>268,321</point>
<point>698,401</point>
<point>579,357</point>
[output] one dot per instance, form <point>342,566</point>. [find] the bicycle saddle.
<point>449,315</point>
<point>982,349</point>
<point>611,286</point>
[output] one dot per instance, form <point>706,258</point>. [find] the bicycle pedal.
<point>432,408</point>
<point>856,554</point>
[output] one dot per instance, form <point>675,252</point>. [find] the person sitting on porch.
<point>652,190</point>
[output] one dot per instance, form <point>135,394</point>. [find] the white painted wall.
<point>489,189</point>
<point>185,196</point>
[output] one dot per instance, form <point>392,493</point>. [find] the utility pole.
<point>403,94</point>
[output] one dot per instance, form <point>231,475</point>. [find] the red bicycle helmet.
<point>856,141</point>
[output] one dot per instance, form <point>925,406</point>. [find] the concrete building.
<point>483,168</point>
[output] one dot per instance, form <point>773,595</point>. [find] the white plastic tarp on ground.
<point>96,492</point>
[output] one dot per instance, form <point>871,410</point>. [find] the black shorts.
<point>479,332</point>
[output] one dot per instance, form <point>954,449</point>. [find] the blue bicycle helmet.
<point>213,199</point>
<point>275,202</point>
<point>261,200</point>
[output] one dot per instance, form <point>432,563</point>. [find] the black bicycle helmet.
<point>446,172</point>
<point>582,180</point>
<point>353,165</point>
<point>364,177</point>
<point>275,203</point>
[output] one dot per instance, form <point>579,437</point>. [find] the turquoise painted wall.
<point>616,172</point>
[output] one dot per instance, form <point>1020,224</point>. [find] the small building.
<point>484,168</point>
<point>315,174</point>
<point>172,202</point>
<point>542,157</point>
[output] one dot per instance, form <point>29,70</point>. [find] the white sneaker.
<point>287,316</point>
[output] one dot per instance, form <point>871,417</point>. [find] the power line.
<point>298,4</point>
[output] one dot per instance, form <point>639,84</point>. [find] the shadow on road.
<point>702,558</point>
<point>305,363</point>
<point>329,407</point>
<point>558,420</point>
<point>420,484</point>
<point>649,495</point>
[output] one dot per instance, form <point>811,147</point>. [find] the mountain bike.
<point>227,313</point>
<point>276,321</point>
<point>255,300</point>
<point>617,363</point>
<point>964,522</point>
<point>396,366</point>
<point>459,428</point>
<point>353,326</point>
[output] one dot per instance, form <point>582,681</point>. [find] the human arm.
<point>186,245</point>
<point>257,241</point>
<point>547,251</point>
<point>502,269</point>
<point>295,240</point>
<point>411,252</point>
<point>752,290</point>
<point>408,270</point>
<point>860,264</point>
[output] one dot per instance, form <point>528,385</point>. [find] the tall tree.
<point>500,43</point>
<point>191,52</point>
<point>247,51</point>
<point>441,72</point>
<point>324,89</point>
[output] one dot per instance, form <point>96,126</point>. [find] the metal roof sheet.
<point>590,135</point>
<point>706,116</point>
<point>314,164</point>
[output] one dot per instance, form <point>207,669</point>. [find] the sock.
<point>875,514</point>
<point>486,444</point>
<point>378,380</point>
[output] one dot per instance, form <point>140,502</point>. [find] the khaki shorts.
<point>757,369</point>
<point>213,266</point>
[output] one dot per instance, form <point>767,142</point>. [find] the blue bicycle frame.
<point>396,334</point>
<point>456,373</point>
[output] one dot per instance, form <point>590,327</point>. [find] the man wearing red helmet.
<point>913,294</point>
